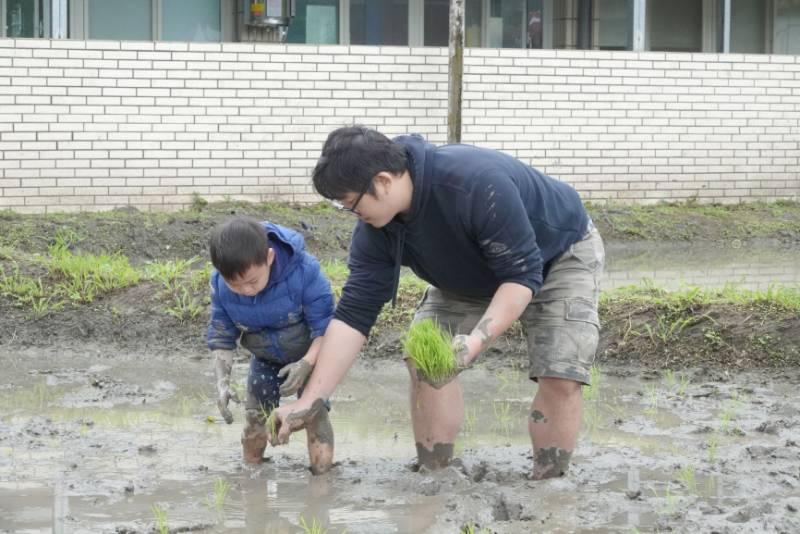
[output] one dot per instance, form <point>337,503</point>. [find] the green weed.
<point>185,306</point>
<point>430,349</point>
<point>168,273</point>
<point>82,278</point>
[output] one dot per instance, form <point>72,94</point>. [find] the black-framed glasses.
<point>352,209</point>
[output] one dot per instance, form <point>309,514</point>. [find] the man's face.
<point>254,279</point>
<point>375,210</point>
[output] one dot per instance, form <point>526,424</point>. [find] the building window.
<point>437,22</point>
<point>148,20</point>
<point>787,27</point>
<point>748,20</point>
<point>675,25</point>
<point>190,20</point>
<point>613,24</point>
<point>121,20</point>
<point>315,22</point>
<point>506,26</point>
<point>25,18</point>
<point>379,22</point>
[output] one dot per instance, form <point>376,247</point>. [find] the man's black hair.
<point>236,245</point>
<point>351,157</point>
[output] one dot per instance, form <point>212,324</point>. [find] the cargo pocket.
<point>582,321</point>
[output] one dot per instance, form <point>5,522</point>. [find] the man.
<point>497,241</point>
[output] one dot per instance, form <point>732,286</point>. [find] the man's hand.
<point>466,349</point>
<point>296,374</point>
<point>291,418</point>
<point>223,363</point>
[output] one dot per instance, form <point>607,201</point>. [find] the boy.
<point>269,294</point>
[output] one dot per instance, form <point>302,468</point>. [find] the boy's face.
<point>254,279</point>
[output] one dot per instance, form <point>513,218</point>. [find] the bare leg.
<point>319,437</point>
<point>553,424</point>
<point>436,417</point>
<point>254,437</point>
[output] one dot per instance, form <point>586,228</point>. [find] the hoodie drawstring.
<point>398,258</point>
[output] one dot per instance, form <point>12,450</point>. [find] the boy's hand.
<point>466,350</point>
<point>223,363</point>
<point>295,375</point>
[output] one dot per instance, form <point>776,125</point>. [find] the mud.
<point>689,451</point>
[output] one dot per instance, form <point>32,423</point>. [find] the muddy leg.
<point>553,424</point>
<point>436,416</point>
<point>319,436</point>
<point>254,437</point>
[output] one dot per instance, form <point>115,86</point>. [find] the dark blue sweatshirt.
<point>478,218</point>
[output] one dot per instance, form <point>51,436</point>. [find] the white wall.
<point>95,125</point>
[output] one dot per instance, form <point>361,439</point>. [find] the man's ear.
<point>383,181</point>
<point>270,256</point>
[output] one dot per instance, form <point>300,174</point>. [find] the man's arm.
<point>508,303</point>
<point>340,347</point>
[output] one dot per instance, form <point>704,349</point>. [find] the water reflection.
<point>670,265</point>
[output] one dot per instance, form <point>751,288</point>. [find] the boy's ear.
<point>270,256</point>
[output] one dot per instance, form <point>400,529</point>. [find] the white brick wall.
<point>98,124</point>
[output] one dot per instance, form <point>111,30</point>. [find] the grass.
<point>786,298</point>
<point>430,349</point>
<point>83,277</point>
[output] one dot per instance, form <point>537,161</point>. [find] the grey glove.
<point>223,362</point>
<point>296,375</point>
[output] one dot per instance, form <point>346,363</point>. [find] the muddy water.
<point>751,266</point>
<point>95,442</point>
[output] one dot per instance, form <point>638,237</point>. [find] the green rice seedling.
<point>160,516</point>
<point>314,528</point>
<point>591,418</point>
<point>502,416</point>
<point>221,489</point>
<point>471,528</point>
<point>652,400</point>
<point>687,478</point>
<point>430,349</point>
<point>470,419</point>
<point>592,391</point>
<point>711,446</point>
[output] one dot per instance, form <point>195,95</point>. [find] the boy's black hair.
<point>236,245</point>
<point>351,157</point>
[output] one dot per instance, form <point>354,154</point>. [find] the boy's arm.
<point>221,338</point>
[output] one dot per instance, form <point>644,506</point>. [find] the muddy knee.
<point>436,458</point>
<point>319,433</point>
<point>551,462</point>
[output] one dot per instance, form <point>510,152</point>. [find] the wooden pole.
<point>456,71</point>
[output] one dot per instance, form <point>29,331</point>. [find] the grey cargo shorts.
<point>561,322</point>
